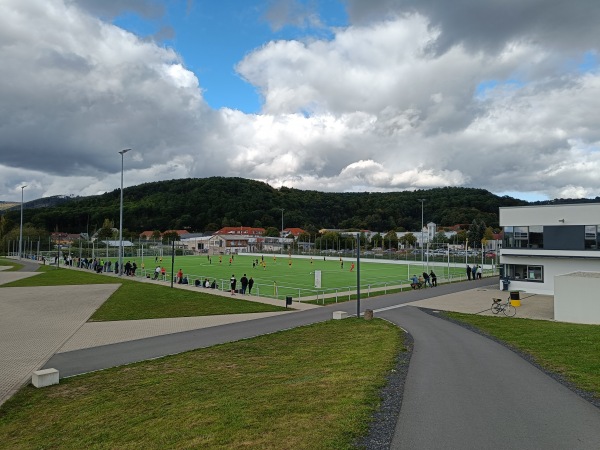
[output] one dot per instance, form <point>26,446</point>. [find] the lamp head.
<point>122,152</point>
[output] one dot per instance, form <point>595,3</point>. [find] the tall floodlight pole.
<point>21,228</point>
<point>122,152</point>
<point>282,209</point>
<point>422,200</point>
<point>358,275</point>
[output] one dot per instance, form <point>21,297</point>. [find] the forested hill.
<point>209,203</point>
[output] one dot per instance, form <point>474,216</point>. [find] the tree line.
<point>207,204</point>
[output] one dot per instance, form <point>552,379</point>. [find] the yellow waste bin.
<point>515,298</point>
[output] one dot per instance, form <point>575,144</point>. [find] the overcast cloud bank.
<point>412,94</point>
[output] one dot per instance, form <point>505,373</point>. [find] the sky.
<point>327,95</point>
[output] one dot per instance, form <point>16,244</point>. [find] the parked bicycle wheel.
<point>510,310</point>
<point>496,308</point>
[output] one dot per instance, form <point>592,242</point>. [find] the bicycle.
<point>498,306</point>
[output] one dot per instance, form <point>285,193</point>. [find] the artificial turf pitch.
<point>280,278</point>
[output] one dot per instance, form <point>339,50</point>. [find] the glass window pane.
<point>534,273</point>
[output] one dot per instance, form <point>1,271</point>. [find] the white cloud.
<point>372,109</point>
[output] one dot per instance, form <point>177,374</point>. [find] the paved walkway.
<point>36,321</point>
<point>479,301</point>
<point>464,391</point>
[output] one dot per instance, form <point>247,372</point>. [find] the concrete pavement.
<point>479,301</point>
<point>36,321</point>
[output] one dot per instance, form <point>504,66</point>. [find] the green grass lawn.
<point>136,300</point>
<point>572,350</point>
<point>9,262</point>
<point>308,388</point>
<point>298,279</point>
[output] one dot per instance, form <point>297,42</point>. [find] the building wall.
<point>580,214</point>
<point>562,250</point>
<point>576,299</point>
<point>552,267</point>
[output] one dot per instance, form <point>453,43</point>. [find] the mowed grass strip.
<point>313,387</point>
<point>136,300</point>
<point>572,350</point>
<point>9,262</point>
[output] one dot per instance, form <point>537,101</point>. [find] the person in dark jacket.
<point>433,277</point>
<point>244,281</point>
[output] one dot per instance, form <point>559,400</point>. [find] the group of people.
<point>159,271</point>
<point>206,284</point>
<point>100,265</point>
<point>245,282</point>
<point>424,280</point>
<point>474,272</point>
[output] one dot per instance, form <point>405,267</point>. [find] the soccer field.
<point>280,278</point>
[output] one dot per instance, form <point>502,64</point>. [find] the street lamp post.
<point>422,200</point>
<point>21,228</point>
<point>358,275</point>
<point>282,209</point>
<point>122,152</point>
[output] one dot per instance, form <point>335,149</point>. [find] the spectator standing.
<point>250,284</point>
<point>232,282</point>
<point>479,272</point>
<point>474,272</point>
<point>244,281</point>
<point>469,272</point>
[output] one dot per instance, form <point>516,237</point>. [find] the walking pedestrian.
<point>433,277</point>
<point>426,278</point>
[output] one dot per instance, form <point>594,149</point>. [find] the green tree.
<point>107,232</point>
<point>376,240</point>
<point>440,238</point>
<point>408,240</point>
<point>390,240</point>
<point>271,232</point>
<point>461,237</point>
<point>476,233</point>
<point>170,236</point>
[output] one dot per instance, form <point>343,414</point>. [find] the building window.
<point>523,272</point>
<point>536,236</point>
<point>592,236</point>
<point>524,237</point>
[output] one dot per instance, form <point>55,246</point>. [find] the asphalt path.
<point>466,391</point>
<point>97,358</point>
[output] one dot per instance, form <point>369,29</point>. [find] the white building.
<point>542,242</point>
